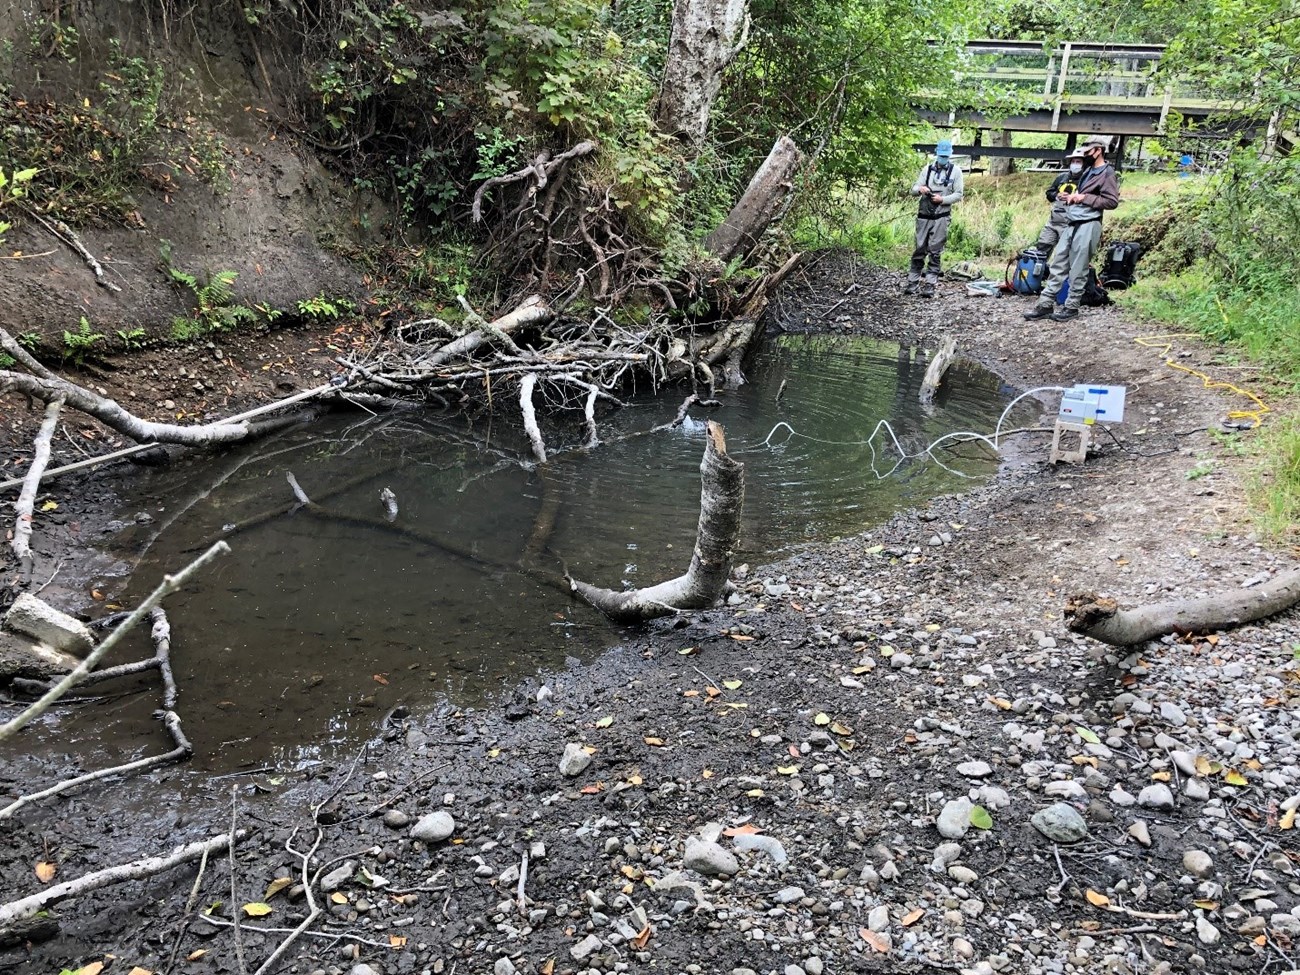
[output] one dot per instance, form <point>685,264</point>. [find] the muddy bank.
<point>845,705</point>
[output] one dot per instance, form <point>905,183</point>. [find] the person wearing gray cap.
<point>1097,192</point>
<point>1067,181</point>
<point>939,186</point>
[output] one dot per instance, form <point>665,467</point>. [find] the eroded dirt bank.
<point>843,706</point>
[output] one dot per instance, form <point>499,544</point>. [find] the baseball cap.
<point>1076,153</point>
<point>943,148</point>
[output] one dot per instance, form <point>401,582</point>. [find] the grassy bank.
<point>1201,274</point>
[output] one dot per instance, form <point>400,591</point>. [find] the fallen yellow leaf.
<point>1288,820</point>
<point>912,917</point>
<point>1096,899</point>
<point>44,871</point>
<point>655,742</point>
<point>338,897</point>
<point>787,769</point>
<point>605,722</point>
<point>257,909</point>
<point>1233,777</point>
<point>1161,776</point>
<point>396,941</point>
<point>196,954</point>
<point>822,719</point>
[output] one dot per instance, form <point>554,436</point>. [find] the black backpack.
<point>1119,264</point>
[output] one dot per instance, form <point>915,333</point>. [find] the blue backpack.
<point>1027,271</point>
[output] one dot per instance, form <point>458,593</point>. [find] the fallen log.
<point>531,311</point>
<point>1100,618</point>
<point>938,368</point>
<point>722,495</point>
<point>20,910</point>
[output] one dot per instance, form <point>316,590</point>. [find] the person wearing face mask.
<point>1066,182</point>
<point>939,186</point>
<point>1097,192</point>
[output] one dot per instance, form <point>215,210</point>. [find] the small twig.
<point>1065,877</point>
<point>314,909</point>
<point>234,894</point>
<point>189,908</point>
<point>520,899</point>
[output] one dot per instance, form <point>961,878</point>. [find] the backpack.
<point>1119,265</point>
<point>1027,271</point>
<point>1094,295</point>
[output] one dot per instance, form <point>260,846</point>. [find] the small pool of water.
<point>312,628</point>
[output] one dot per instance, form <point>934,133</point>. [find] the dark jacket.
<point>1100,189</point>
<point>1065,176</point>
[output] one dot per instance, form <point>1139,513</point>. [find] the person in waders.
<point>939,186</point>
<point>1098,191</point>
<point>1066,182</point>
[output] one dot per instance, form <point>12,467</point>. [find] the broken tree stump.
<point>722,495</point>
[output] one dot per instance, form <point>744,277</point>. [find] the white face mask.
<point>1076,168</point>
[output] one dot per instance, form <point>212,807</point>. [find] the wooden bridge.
<point>1080,88</point>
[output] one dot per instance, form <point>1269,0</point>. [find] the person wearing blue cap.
<point>939,186</point>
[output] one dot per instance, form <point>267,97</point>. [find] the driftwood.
<point>22,543</point>
<point>168,586</point>
<point>63,232</point>
<point>526,387</point>
<point>161,661</point>
<point>722,495</point>
<point>1101,618</point>
<point>939,366</point>
<point>19,910</point>
<point>737,235</point>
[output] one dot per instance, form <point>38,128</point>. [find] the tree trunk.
<point>760,205</point>
<point>939,365</point>
<point>722,495</point>
<point>706,36</point>
<point>1000,165</point>
<point>1101,618</point>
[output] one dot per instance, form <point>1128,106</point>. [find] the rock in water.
<point>434,828</point>
<point>1060,822</point>
<point>574,761</point>
<point>709,859</point>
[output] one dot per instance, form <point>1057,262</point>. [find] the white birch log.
<point>26,907</point>
<point>531,311</point>
<point>26,504</point>
<point>722,496</point>
<point>1101,618</point>
<point>526,386</point>
<point>938,368</point>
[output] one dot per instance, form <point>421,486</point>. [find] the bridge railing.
<point>1084,75</point>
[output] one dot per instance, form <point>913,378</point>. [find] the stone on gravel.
<point>574,761</point>
<point>750,842</point>
<point>1198,863</point>
<point>878,918</point>
<point>954,819</point>
<point>504,966</point>
<point>41,621</point>
<point>396,819</point>
<point>585,948</point>
<point>709,858</point>
<point>788,895</point>
<point>1173,714</point>
<point>1207,932</point>
<point>362,969</point>
<point>1156,796</point>
<point>21,656</point>
<point>975,770</point>
<point>1197,789</point>
<point>337,877</point>
<point>1140,832</point>
<point>1060,822</point>
<point>813,966</point>
<point>434,828</point>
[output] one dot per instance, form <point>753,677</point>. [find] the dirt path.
<point>849,705</point>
